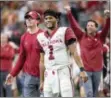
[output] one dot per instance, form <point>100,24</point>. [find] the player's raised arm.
<point>74,25</point>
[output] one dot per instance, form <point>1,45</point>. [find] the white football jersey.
<point>56,54</point>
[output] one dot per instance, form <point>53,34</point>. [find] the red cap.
<point>32,14</point>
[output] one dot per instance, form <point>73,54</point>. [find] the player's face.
<point>50,22</point>
<point>30,22</point>
<point>91,28</point>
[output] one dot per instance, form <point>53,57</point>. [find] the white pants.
<point>58,83</point>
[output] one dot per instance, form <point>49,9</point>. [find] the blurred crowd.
<point>12,18</point>
<point>12,14</point>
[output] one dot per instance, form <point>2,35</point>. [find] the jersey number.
<point>51,56</point>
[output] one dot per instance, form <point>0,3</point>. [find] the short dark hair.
<point>52,13</point>
<point>96,24</point>
<point>91,20</point>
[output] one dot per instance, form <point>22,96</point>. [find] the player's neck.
<point>92,34</point>
<point>51,30</point>
<point>33,30</point>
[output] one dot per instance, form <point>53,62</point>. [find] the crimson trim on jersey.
<point>51,34</point>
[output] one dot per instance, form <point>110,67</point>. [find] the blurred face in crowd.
<point>30,22</point>
<point>4,39</point>
<point>50,22</point>
<point>91,28</point>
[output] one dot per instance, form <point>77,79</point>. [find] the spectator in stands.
<point>6,58</point>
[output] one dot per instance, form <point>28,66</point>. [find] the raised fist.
<point>107,13</point>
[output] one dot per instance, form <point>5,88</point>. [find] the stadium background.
<point>12,16</point>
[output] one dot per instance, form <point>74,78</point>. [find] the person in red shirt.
<point>6,59</point>
<point>91,45</point>
<point>29,57</point>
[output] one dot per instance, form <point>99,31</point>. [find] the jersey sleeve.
<point>69,36</point>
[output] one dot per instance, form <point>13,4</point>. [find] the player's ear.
<point>58,17</point>
<point>58,21</point>
<point>38,22</point>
